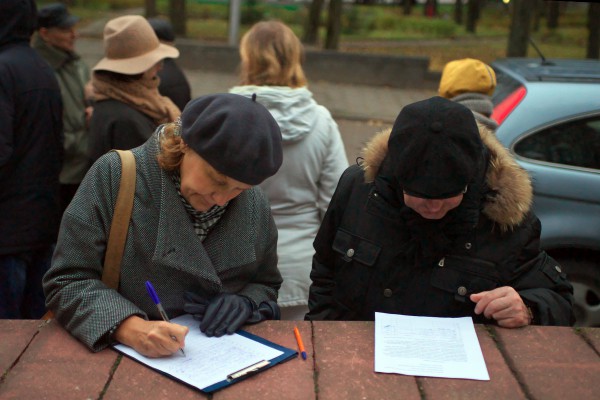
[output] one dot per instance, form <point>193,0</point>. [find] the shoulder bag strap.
<point>120,222</point>
<point>119,225</point>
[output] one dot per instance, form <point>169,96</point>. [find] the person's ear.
<point>43,32</point>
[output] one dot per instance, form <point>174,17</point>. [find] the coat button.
<point>468,246</point>
<point>441,262</point>
<point>350,252</point>
<point>557,268</point>
<point>387,292</point>
<point>462,290</point>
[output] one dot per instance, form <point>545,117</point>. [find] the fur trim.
<point>510,183</point>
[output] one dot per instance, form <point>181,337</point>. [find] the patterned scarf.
<point>141,94</point>
<point>203,221</point>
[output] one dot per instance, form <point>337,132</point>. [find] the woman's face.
<point>432,208</point>
<point>153,71</point>
<point>203,186</point>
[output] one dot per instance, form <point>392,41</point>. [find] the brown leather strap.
<point>119,225</point>
<point>120,222</point>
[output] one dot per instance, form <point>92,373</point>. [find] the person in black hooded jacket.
<point>436,221</point>
<point>31,149</point>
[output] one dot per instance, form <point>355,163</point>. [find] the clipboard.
<point>253,354</point>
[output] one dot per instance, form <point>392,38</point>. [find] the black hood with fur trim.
<point>509,193</point>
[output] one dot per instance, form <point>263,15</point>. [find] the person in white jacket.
<point>313,153</point>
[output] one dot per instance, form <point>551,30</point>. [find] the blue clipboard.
<point>232,377</point>
<point>251,370</point>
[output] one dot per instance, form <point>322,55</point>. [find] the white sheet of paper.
<point>207,360</point>
<point>427,346</point>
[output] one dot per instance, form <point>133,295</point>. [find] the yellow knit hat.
<point>467,76</point>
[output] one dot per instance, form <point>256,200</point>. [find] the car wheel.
<point>585,277</point>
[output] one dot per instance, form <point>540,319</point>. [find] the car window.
<point>505,85</point>
<point>575,143</point>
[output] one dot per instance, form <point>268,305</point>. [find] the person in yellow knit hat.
<point>471,83</point>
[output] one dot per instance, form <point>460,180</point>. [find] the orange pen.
<point>300,344</point>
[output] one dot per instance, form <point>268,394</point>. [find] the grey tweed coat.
<point>238,256</point>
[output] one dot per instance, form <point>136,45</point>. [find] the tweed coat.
<point>238,256</point>
<point>363,262</point>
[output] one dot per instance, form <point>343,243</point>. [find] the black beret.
<point>163,29</point>
<point>55,15</point>
<point>435,148</point>
<point>235,134</point>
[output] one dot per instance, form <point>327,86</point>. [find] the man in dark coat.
<point>436,221</point>
<point>55,42</point>
<point>173,82</point>
<point>30,161</point>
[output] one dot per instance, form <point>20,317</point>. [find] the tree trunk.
<point>150,8</point>
<point>593,45</point>
<point>537,14</point>
<point>334,25</point>
<point>458,12</point>
<point>178,16</point>
<point>472,15</point>
<point>311,29</point>
<point>553,14</point>
<point>407,6</point>
<point>518,37</point>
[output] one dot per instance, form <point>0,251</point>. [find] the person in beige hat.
<point>471,83</point>
<point>128,106</point>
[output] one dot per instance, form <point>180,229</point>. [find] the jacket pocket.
<point>354,248</point>
<point>463,276</point>
<point>354,269</point>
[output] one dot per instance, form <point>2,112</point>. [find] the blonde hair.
<point>171,147</point>
<point>272,55</point>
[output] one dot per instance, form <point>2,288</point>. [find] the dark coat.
<point>174,84</point>
<point>31,148</point>
<point>367,260</point>
<point>117,125</point>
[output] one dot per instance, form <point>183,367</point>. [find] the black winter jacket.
<point>367,260</point>
<point>117,125</point>
<point>174,84</point>
<point>31,148</point>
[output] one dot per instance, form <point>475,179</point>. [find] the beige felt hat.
<point>131,46</point>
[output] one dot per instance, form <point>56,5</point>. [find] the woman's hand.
<point>151,338</point>
<point>504,305</point>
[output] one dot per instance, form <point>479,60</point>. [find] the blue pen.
<point>161,310</point>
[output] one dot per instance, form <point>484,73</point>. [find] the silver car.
<point>549,116</point>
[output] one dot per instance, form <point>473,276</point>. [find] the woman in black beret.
<point>436,221</point>
<point>199,231</point>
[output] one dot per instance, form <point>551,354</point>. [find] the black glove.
<point>198,306</point>
<point>225,313</point>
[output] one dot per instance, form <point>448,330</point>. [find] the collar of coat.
<point>509,182</point>
<point>53,55</point>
